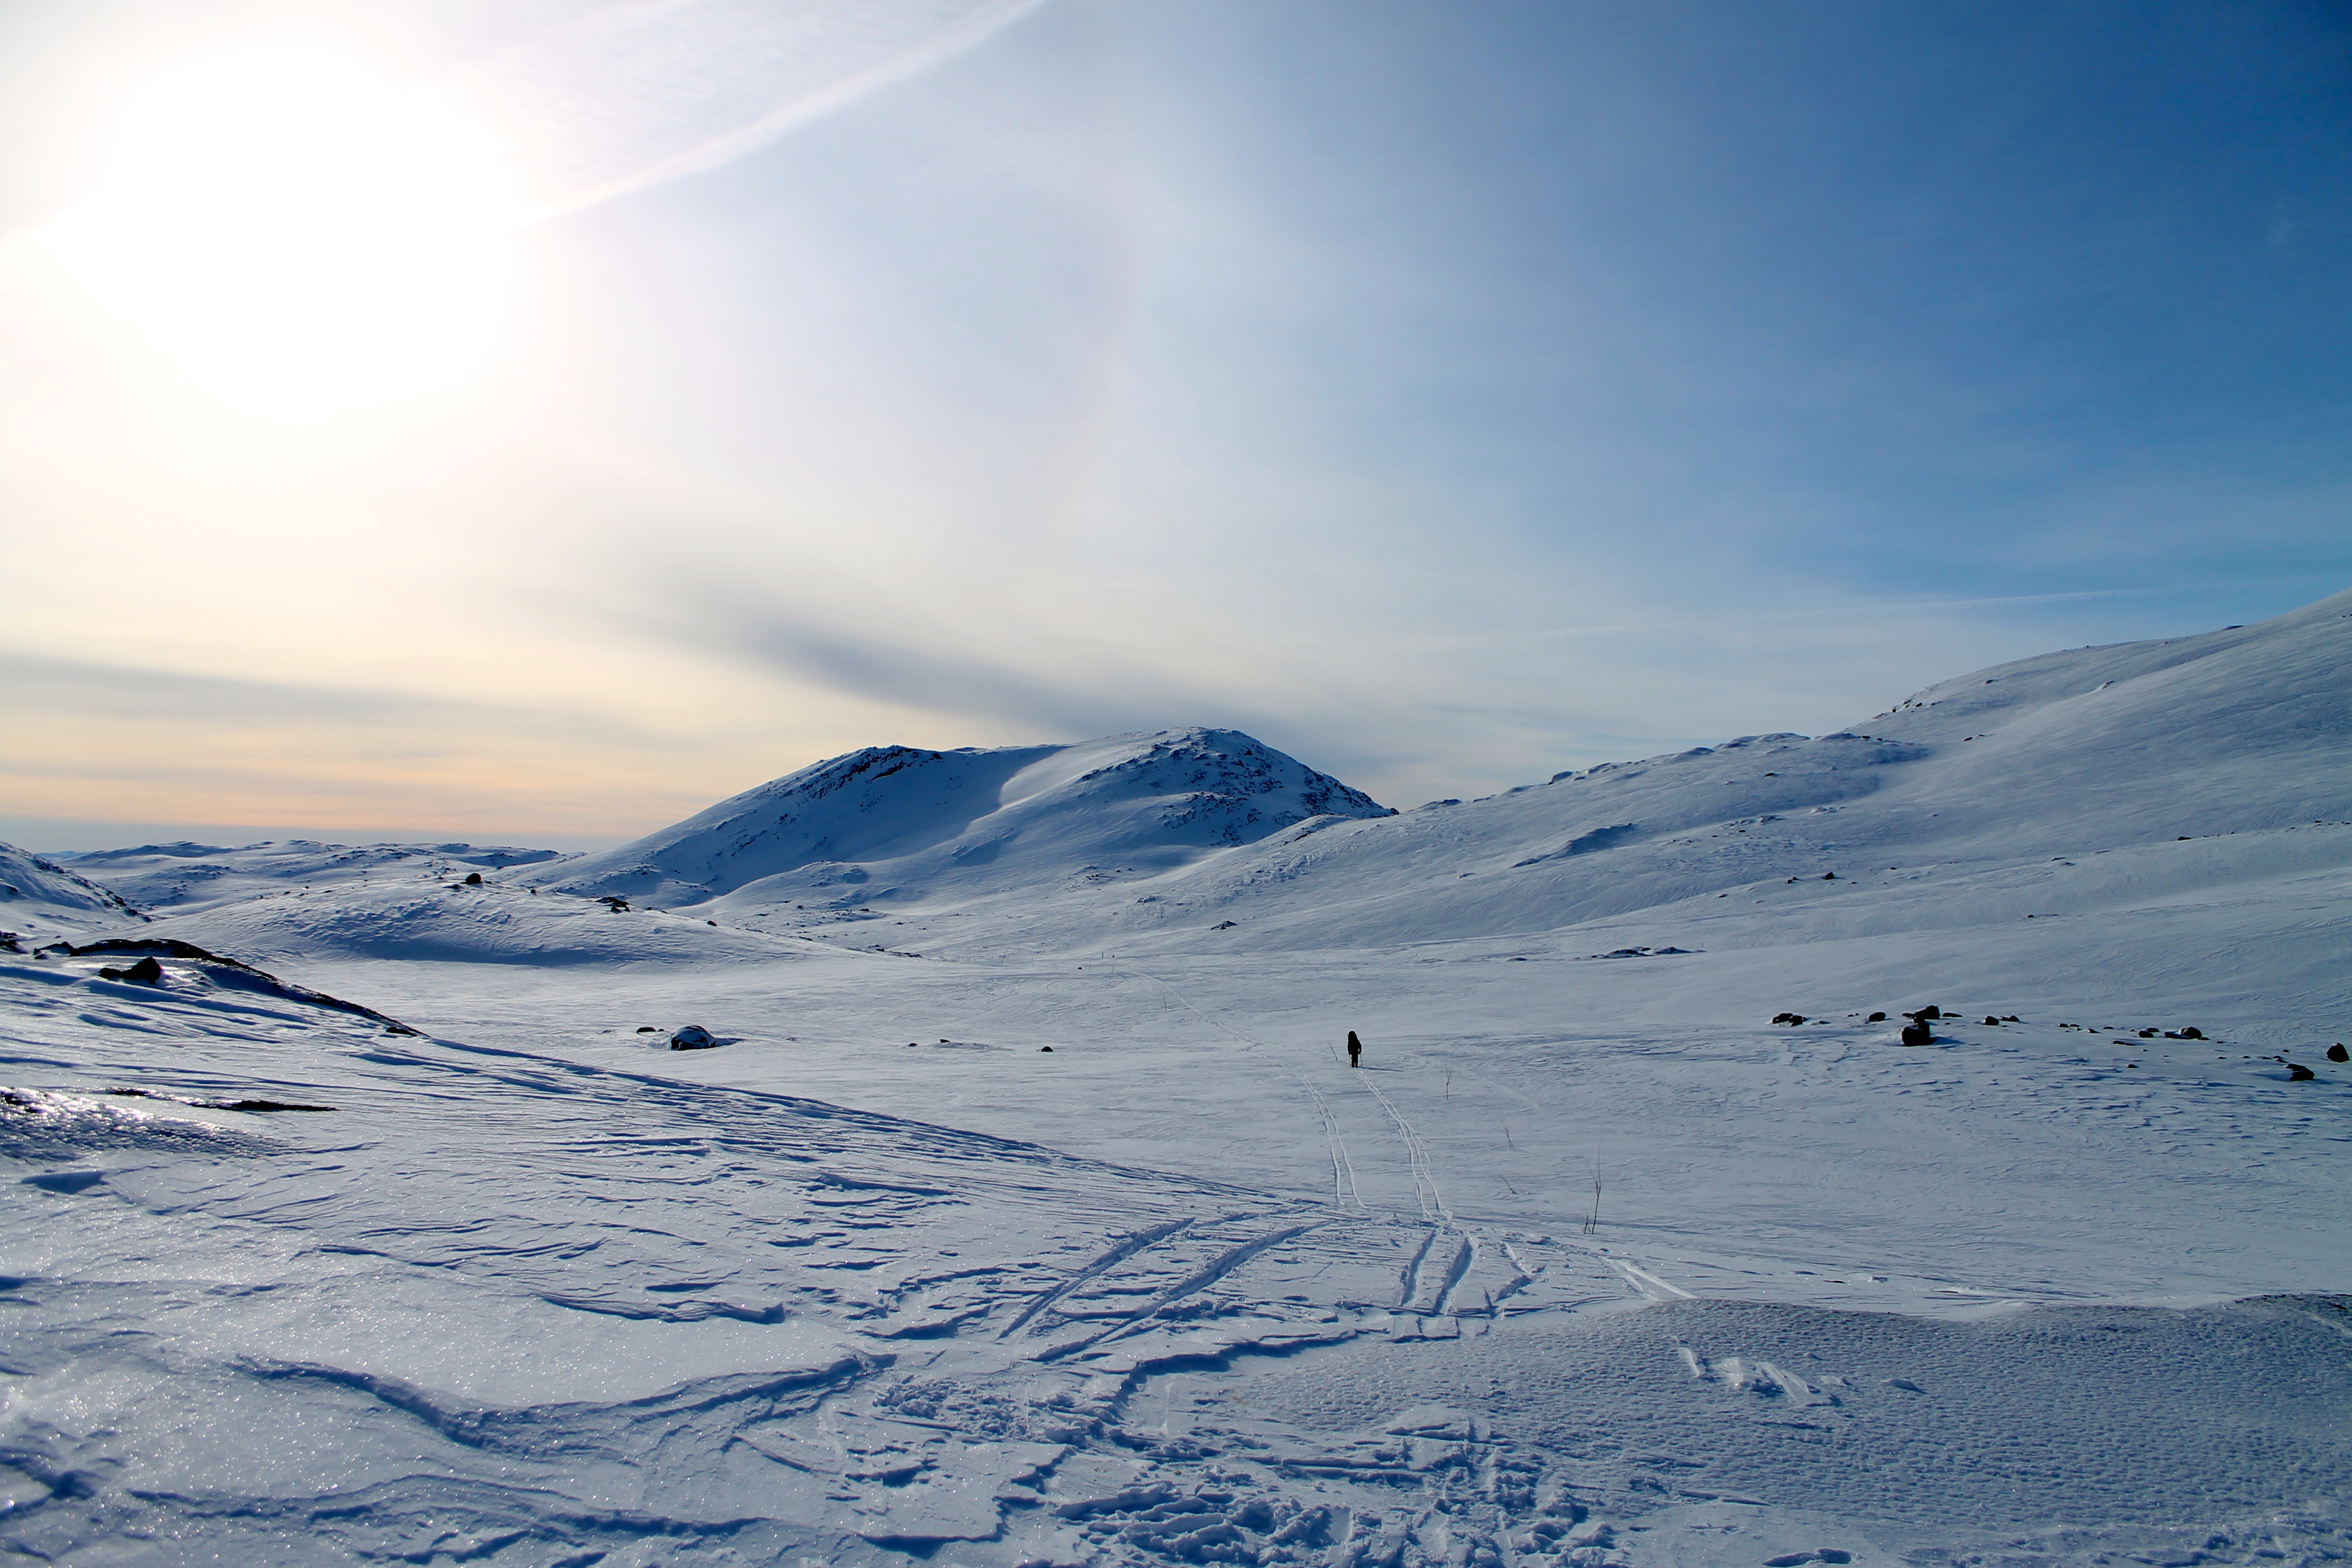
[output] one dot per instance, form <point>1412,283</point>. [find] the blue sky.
<point>1446,395</point>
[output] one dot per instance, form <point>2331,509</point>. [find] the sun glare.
<point>303,236</point>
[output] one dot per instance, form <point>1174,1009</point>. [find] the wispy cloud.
<point>627,96</point>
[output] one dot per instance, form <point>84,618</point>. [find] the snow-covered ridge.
<point>183,877</point>
<point>907,819</point>
<point>39,894</point>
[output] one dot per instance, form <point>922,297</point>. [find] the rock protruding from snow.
<point>693,1037</point>
<point>893,818</point>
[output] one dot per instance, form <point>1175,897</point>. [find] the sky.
<point>529,422</point>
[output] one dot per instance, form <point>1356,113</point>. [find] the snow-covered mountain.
<point>1962,802</point>
<point>1026,1208</point>
<point>902,822</point>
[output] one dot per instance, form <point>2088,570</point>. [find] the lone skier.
<point>1355,1049</point>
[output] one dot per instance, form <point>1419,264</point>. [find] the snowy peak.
<point>1207,788</point>
<point>974,817</point>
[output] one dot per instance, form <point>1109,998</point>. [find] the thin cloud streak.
<point>634,96</point>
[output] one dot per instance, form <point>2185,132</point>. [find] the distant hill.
<point>913,823</point>
<point>183,876</point>
<point>2085,798</point>
<point>38,897</point>
<point>2120,751</point>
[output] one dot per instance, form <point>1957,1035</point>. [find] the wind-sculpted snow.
<point>40,1126</point>
<point>1026,1208</point>
<point>513,1305</point>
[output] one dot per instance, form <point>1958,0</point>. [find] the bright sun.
<point>300,236</point>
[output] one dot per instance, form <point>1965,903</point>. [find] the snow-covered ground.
<point>1590,1262</point>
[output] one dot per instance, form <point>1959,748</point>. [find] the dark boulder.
<point>693,1037</point>
<point>1875,1018</point>
<point>2337,1053</point>
<point>1790,1018</point>
<point>1990,1019</point>
<point>2192,1033</point>
<point>2298,1073</point>
<point>473,879</point>
<point>1918,1034</point>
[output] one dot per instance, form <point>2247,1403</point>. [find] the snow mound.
<point>902,821</point>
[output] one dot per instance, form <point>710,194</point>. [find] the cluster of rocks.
<point>1919,1030</point>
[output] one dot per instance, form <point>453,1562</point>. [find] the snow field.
<point>1589,1263</point>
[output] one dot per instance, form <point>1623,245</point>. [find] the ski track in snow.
<point>1343,1167</point>
<point>982,1346</point>
<point>2058,1290</point>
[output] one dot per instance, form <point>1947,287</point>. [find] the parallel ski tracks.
<point>1428,1197</point>
<point>1127,1248</point>
<point>1424,1181</point>
<point>1344,1192</point>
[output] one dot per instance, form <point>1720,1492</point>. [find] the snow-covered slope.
<point>1028,1210</point>
<point>897,821</point>
<point>1963,803</point>
<point>40,900</point>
